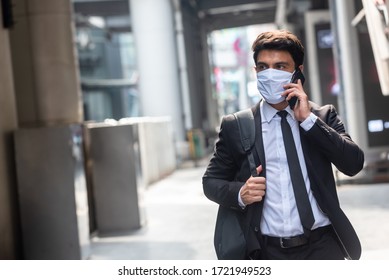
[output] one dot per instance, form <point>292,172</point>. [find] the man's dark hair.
<point>279,40</point>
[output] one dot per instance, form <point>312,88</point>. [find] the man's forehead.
<point>279,56</point>
<point>272,53</point>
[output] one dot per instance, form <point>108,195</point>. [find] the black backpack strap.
<point>246,125</point>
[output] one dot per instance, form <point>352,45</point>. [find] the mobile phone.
<point>296,75</point>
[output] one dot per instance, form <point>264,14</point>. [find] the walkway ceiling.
<point>219,14</point>
<point>213,14</point>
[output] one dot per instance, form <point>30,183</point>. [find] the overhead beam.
<point>103,8</point>
<point>216,22</point>
<point>214,4</point>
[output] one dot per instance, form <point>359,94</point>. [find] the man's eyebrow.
<point>277,63</point>
<point>282,63</point>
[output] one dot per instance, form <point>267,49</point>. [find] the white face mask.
<point>270,83</point>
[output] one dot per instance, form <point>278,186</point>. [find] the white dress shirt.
<point>280,216</point>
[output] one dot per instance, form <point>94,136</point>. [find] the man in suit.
<point>274,224</point>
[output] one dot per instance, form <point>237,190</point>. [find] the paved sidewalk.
<point>367,207</point>
<point>180,221</point>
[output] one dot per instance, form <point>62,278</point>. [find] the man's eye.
<point>261,67</point>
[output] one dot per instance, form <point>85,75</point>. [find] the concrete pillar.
<point>45,63</point>
<point>153,28</point>
<point>213,116</point>
<point>183,67</point>
<point>8,123</point>
<point>350,70</point>
<point>49,108</point>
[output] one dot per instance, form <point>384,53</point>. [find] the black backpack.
<point>229,240</point>
<point>246,125</point>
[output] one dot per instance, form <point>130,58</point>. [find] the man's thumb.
<point>259,169</point>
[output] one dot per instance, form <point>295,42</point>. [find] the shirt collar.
<point>268,112</point>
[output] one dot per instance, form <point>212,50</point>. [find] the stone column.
<point>45,63</point>
<point>48,141</point>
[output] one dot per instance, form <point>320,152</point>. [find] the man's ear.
<point>301,67</point>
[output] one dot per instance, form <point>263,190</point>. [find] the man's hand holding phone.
<point>297,75</point>
<point>296,96</point>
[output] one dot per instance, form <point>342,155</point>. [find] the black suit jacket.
<point>324,144</point>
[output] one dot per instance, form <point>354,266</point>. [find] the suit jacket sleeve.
<point>220,182</point>
<point>329,134</point>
